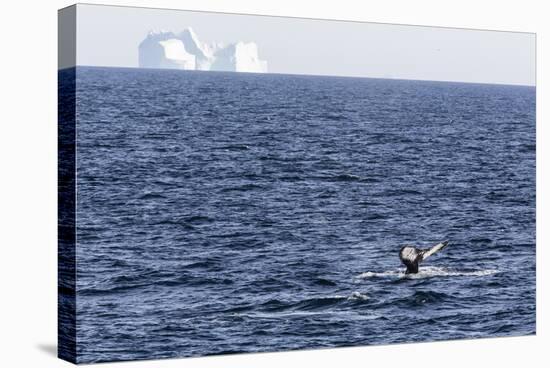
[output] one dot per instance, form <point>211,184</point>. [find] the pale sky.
<point>109,36</point>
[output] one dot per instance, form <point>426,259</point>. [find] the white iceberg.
<point>239,57</point>
<point>163,50</point>
<point>185,51</point>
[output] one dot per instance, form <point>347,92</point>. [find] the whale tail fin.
<point>425,253</point>
<point>411,256</point>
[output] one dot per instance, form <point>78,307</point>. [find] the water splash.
<point>426,272</point>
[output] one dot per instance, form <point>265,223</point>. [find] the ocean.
<point>223,213</point>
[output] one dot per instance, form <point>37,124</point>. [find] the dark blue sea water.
<point>224,212</point>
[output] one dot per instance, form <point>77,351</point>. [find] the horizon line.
<point>310,75</point>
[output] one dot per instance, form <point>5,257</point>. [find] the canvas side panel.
<point>66,328</point>
<point>66,37</point>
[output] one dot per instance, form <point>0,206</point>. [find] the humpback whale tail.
<point>412,256</point>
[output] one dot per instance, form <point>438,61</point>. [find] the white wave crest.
<point>353,296</point>
<point>358,296</point>
<point>344,315</point>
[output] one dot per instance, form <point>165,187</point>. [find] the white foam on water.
<point>370,274</point>
<point>441,271</point>
<point>353,296</point>
<point>329,313</point>
<point>358,296</point>
<point>428,271</point>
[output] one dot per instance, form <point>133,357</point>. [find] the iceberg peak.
<point>165,49</point>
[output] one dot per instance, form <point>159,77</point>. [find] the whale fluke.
<point>412,256</point>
